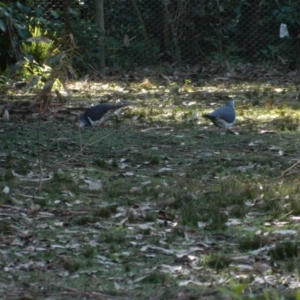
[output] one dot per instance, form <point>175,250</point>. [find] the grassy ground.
<point>158,205</point>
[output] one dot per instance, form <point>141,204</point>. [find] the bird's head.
<point>230,103</point>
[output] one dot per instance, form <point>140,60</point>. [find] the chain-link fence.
<point>151,32</point>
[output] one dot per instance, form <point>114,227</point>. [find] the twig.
<point>30,196</point>
<point>78,292</point>
<point>156,128</point>
<point>12,207</point>
<point>82,149</point>
<point>80,137</point>
<point>284,172</point>
<point>39,155</point>
<point>291,167</point>
<point>98,73</point>
<point>282,217</point>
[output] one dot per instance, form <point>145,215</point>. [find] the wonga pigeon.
<point>94,115</point>
<point>223,117</point>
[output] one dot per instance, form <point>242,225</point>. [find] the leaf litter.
<point>144,208</point>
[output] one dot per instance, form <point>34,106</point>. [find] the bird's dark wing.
<point>93,115</point>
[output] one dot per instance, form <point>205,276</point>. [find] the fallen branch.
<point>287,170</point>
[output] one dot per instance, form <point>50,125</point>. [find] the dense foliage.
<point>142,32</point>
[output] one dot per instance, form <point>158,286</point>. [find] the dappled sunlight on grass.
<point>158,196</point>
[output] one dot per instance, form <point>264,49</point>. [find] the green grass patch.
<point>223,196</point>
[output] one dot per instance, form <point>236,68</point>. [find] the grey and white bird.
<point>223,117</point>
<point>98,114</point>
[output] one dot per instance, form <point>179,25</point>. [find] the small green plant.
<point>131,218</point>
<point>271,52</point>
<point>156,278</point>
<point>39,47</point>
<point>250,243</point>
<point>286,250</point>
<point>42,202</point>
<point>150,217</point>
<point>117,237</point>
<point>101,163</point>
<point>81,221</point>
<point>235,290</point>
<point>154,160</point>
<point>218,262</point>
<point>71,266</point>
<point>6,228</point>
<point>89,252</point>
<point>103,212</point>
<point>238,291</point>
<point>114,164</point>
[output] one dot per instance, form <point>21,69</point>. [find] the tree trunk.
<point>175,50</point>
<point>99,8</point>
